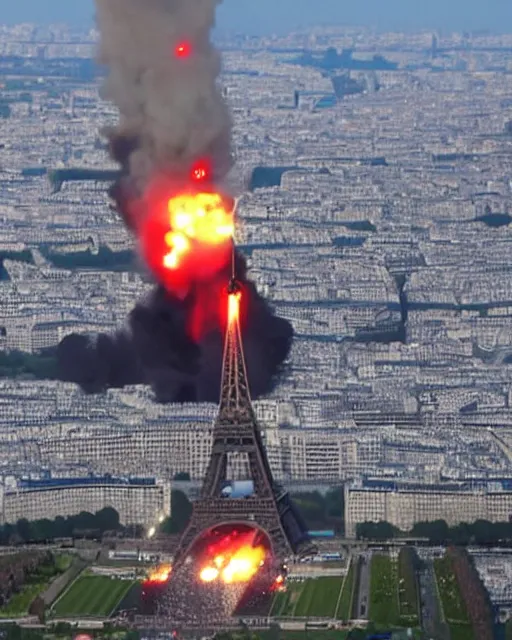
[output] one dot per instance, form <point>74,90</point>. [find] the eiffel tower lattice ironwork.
<point>236,431</point>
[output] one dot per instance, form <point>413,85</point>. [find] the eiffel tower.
<point>236,432</point>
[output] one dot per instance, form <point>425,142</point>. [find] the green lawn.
<point>279,603</point>
<point>314,598</point>
<point>92,596</point>
<point>384,608</point>
<point>305,599</point>
<point>461,631</point>
<point>325,596</point>
<point>63,561</point>
<point>344,611</point>
<point>285,601</point>
<point>453,605</point>
<point>408,587</point>
<point>310,634</point>
<point>36,583</point>
<point>20,602</point>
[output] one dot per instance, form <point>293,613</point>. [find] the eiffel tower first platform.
<point>237,433</point>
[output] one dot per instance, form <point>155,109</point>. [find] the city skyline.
<point>267,17</point>
<point>373,170</point>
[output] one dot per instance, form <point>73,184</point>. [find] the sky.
<point>266,16</point>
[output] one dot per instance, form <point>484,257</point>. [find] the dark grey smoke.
<point>171,114</point>
<point>157,351</point>
<point>171,109</point>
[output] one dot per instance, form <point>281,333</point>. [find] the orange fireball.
<point>160,575</point>
<point>240,560</point>
<point>199,219</point>
<point>209,574</point>
<point>186,239</point>
<point>234,306</point>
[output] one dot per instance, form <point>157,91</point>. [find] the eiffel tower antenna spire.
<point>235,396</point>
<point>233,257</point>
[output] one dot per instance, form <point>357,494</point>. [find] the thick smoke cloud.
<point>172,114</point>
<point>171,109</point>
<point>156,350</point>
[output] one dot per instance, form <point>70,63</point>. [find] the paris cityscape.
<point>295,421</point>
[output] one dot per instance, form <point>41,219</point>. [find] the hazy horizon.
<point>267,16</point>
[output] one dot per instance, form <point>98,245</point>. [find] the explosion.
<point>160,575</point>
<point>234,306</point>
<point>173,144</point>
<point>279,584</point>
<point>236,558</point>
<point>188,239</point>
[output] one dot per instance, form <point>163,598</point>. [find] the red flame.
<point>183,50</point>
<point>160,575</point>
<point>187,235</point>
<point>235,558</point>
<point>234,306</point>
<point>186,239</point>
<point>278,584</point>
<point>201,171</point>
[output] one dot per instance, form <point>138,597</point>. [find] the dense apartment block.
<point>404,505</point>
<point>138,501</point>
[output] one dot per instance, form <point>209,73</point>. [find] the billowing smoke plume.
<point>163,73</point>
<point>171,108</point>
<point>157,351</point>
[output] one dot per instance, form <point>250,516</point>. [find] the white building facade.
<point>404,507</point>
<point>138,502</point>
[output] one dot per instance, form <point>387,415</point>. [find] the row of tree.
<point>481,532</point>
<point>91,525</point>
<point>16,569</point>
<point>473,593</point>
<point>82,525</point>
<point>17,363</point>
<point>318,510</point>
<point>181,510</point>
<point>63,630</point>
<point>321,511</point>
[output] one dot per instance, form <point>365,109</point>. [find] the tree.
<point>182,476</point>
<point>181,510</point>
<point>23,529</point>
<point>12,632</point>
<point>41,530</point>
<point>61,528</point>
<point>437,531</point>
<point>274,632</point>
<point>376,531</point>
<point>6,533</point>
<point>107,519</point>
<point>62,629</point>
<point>37,608</point>
<point>335,502</point>
<point>311,505</point>
<point>84,521</point>
<point>461,533</point>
